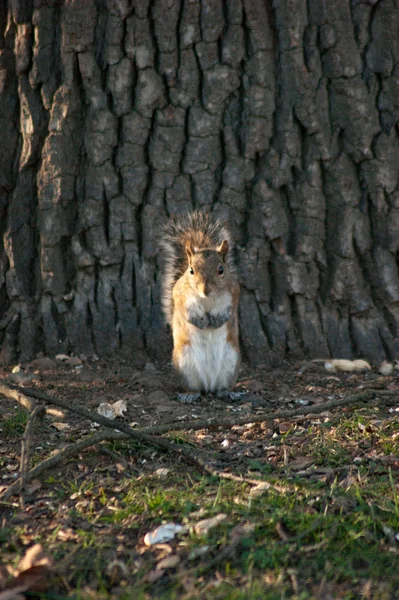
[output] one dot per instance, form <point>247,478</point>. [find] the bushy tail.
<point>202,231</point>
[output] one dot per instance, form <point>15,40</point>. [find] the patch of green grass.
<point>14,426</point>
<point>336,531</point>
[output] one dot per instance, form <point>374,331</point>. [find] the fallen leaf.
<point>169,562</point>
<point>60,426</point>
<point>154,575</point>
<point>202,527</point>
<point>119,408</point>
<point>30,574</point>
<point>33,556</point>
<point>285,426</point>
<point>162,472</point>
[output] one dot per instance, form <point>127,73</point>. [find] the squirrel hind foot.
<point>188,398</point>
<point>234,396</point>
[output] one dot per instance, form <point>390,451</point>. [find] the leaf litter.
<point>88,503</point>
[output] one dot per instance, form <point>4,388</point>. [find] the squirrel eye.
<point>191,271</point>
<point>221,270</point>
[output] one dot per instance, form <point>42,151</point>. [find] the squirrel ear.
<point>223,248</point>
<point>189,250</point>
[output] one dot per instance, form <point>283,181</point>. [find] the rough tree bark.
<point>282,116</point>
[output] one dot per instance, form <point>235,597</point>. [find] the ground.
<point>325,526</point>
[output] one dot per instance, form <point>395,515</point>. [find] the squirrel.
<point>200,301</point>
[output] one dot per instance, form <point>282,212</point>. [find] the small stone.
<point>386,369</point>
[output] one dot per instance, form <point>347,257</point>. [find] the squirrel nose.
<point>203,289</point>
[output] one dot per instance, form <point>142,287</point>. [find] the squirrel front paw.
<point>198,321</point>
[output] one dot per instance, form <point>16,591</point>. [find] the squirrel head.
<point>208,273</point>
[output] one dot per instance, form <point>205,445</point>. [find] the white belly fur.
<point>209,362</point>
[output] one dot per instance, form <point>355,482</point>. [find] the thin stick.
<point>37,413</point>
<point>143,434</point>
<point>351,400</point>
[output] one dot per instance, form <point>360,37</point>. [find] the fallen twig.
<point>37,413</point>
<point>351,400</point>
<point>151,435</point>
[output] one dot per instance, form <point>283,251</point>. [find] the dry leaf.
<point>119,408</point>
<point>154,575</point>
<point>202,527</point>
<point>30,574</point>
<point>162,472</point>
<point>33,556</point>
<point>60,426</point>
<point>259,489</point>
<point>285,426</point>
<point>169,562</point>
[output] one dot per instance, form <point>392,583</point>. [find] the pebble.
<point>386,369</point>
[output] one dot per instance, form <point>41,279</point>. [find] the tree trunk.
<point>281,116</point>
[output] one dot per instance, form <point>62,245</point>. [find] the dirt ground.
<point>149,392</point>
